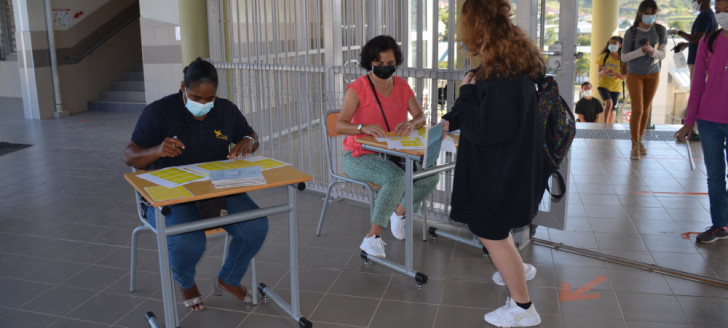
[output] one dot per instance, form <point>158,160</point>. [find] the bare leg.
<point>609,115</point>
<point>400,210</point>
<point>507,260</point>
<point>375,230</point>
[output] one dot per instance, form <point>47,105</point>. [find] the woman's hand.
<point>374,130</point>
<point>404,128</point>
<point>242,149</point>
<point>469,78</point>
<point>445,128</point>
<point>684,131</point>
<point>170,147</point>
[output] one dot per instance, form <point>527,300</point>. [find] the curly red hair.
<point>504,49</point>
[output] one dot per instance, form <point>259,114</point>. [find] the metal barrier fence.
<point>286,62</point>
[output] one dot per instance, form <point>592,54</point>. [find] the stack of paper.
<point>240,177</point>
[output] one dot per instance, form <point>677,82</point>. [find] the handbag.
<point>210,208</point>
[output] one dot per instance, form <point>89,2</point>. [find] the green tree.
<point>444,14</point>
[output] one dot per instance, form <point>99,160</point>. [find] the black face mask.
<point>383,72</point>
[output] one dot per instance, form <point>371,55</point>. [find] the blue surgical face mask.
<point>649,19</point>
<point>613,47</point>
<point>198,109</point>
<point>587,93</point>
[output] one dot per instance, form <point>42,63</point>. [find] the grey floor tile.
<point>309,302</point>
<point>58,300</point>
<point>70,323</point>
<point>402,288</point>
<point>23,319</point>
<point>624,241</point>
<point>257,320</point>
<point>638,281</point>
<point>105,308</point>
<point>317,279</point>
<point>146,285</point>
<point>361,284</point>
<point>638,324</point>
<point>346,310</point>
<point>472,294</point>
<point>18,266</point>
<point>578,277</point>
<point>651,308</point>
<point>18,292</point>
<point>580,322</point>
<point>692,263</point>
<point>136,317</point>
<point>705,311</point>
<point>474,270</point>
<point>394,314</point>
<point>447,316</point>
<point>95,278</point>
<point>54,271</point>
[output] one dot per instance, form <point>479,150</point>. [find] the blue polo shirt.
<point>206,140</point>
<point>704,23</point>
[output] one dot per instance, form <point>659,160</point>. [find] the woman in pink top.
<point>708,106</point>
<point>375,104</point>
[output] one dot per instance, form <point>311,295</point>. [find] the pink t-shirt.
<point>368,112</point>
<point>708,98</point>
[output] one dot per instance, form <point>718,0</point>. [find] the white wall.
<point>10,78</point>
<point>161,51</point>
<point>76,6</point>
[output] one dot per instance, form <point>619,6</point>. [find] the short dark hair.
<point>370,52</point>
<point>585,84</point>
<point>200,71</point>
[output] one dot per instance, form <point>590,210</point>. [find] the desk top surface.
<point>371,141</point>
<point>277,177</point>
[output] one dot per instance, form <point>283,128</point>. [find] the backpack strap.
<point>557,178</point>
<point>633,30</point>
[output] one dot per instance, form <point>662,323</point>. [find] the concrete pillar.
<point>34,63</point>
<point>193,30</point>
<point>605,20</point>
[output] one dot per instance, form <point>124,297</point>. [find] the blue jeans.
<point>713,140</point>
<point>186,249</point>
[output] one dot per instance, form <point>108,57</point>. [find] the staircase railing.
<point>78,58</point>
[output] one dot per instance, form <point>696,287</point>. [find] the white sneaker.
<point>530,274</point>
<point>397,224</point>
<point>373,246</point>
<point>512,315</point>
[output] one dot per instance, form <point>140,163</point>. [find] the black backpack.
<point>559,129</point>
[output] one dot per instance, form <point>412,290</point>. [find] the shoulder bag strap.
<point>378,102</point>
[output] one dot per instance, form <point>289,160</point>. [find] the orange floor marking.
<point>580,294</point>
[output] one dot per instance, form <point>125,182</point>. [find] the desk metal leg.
<point>474,242</point>
<point>165,273</point>
<point>407,269</point>
<point>293,309</point>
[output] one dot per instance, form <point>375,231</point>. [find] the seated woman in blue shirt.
<point>193,126</point>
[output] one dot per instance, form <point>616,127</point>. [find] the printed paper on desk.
<point>434,143</point>
<point>172,177</point>
<point>161,193</point>
<point>264,163</point>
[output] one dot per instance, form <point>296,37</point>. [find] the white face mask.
<point>649,19</point>
<point>696,6</point>
<point>722,19</point>
<point>613,47</point>
<point>587,93</point>
<point>198,109</point>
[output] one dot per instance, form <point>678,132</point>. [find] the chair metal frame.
<point>330,134</point>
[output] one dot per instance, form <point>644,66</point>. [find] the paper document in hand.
<point>434,143</point>
<point>171,177</point>
<point>247,176</point>
<point>160,193</point>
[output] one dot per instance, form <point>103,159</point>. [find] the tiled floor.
<point>66,216</point>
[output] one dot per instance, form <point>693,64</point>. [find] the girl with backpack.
<point>500,154</point>
<point>643,49</point>
<point>610,76</point>
<point>707,107</point>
